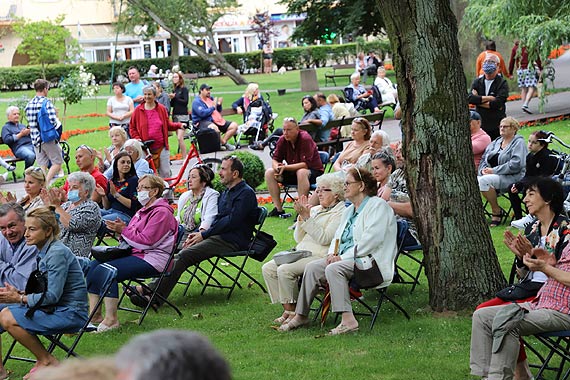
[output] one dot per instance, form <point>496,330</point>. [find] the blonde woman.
<point>118,138</point>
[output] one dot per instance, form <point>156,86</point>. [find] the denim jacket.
<point>66,283</point>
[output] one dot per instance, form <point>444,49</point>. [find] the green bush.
<point>254,170</point>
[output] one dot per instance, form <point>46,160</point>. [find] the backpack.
<point>47,130</point>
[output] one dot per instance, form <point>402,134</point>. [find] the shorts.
<point>290,178</point>
<point>181,118</point>
<point>267,56</point>
<point>223,128</point>
<point>49,153</point>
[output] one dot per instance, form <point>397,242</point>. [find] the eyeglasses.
<point>504,126</point>
<point>83,146</point>
<point>139,188</point>
<point>319,190</point>
<point>290,120</point>
<point>346,183</point>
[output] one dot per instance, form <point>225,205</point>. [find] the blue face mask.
<point>73,196</point>
<point>489,67</point>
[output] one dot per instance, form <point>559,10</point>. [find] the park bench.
<point>332,75</point>
<point>12,160</point>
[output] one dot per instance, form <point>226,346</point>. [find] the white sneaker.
<point>522,223</point>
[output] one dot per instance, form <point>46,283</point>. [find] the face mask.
<point>489,67</point>
<point>73,196</point>
<point>143,197</point>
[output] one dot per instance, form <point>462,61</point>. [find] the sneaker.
<point>11,168</point>
<point>229,147</point>
<point>526,109</point>
<point>257,146</point>
<point>522,223</point>
<point>276,212</point>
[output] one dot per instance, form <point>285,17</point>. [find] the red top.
<point>305,150</point>
<point>521,60</point>
<point>138,128</point>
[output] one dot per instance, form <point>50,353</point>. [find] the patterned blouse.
<point>83,226</point>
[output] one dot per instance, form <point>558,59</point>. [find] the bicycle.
<point>562,173</point>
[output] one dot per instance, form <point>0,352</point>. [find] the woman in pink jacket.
<point>152,234</point>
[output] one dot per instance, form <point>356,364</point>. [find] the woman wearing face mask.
<point>79,217</point>
<point>152,234</point>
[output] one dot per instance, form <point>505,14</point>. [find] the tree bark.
<point>461,263</point>
<point>216,59</point>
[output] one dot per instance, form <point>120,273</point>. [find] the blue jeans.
<point>127,267</point>
<point>27,154</point>
<point>112,214</point>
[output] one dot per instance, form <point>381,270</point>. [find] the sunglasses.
<point>290,119</point>
<point>83,146</point>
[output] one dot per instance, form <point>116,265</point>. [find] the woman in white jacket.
<point>367,230</point>
<point>314,232</point>
<point>198,207</point>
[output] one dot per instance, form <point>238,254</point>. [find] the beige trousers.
<point>283,281</point>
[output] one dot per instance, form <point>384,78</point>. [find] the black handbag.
<point>522,290</point>
<point>367,278</point>
<point>38,284</point>
<point>262,246</point>
<point>104,253</point>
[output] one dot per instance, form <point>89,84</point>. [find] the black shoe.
<point>525,109</point>
<point>257,146</point>
<point>276,212</point>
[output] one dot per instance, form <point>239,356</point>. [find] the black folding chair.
<point>56,339</point>
<point>374,311</point>
<point>557,344</point>
<point>402,275</point>
<point>154,295</point>
<point>240,257</point>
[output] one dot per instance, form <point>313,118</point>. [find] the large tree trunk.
<point>461,264</point>
<point>216,59</point>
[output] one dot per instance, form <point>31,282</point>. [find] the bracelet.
<point>22,299</point>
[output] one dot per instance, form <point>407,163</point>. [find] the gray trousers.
<point>336,275</point>
<point>501,365</point>
<point>195,254</point>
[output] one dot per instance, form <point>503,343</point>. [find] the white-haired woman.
<point>314,232</point>
<point>134,149</point>
<point>79,217</point>
<point>118,138</point>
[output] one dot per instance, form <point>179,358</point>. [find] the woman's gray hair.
<point>384,136</point>
<point>149,89</point>
<point>10,109</point>
<point>136,144</point>
<point>86,181</point>
<point>334,182</point>
<point>354,75</point>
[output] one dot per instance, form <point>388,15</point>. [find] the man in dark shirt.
<point>296,161</point>
<point>231,230</point>
<point>489,94</point>
<point>17,137</point>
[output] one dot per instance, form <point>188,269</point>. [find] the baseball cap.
<point>474,115</point>
<point>205,86</point>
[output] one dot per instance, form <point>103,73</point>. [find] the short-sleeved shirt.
<point>216,116</point>
<point>305,150</point>
<point>119,107</point>
<point>132,90</point>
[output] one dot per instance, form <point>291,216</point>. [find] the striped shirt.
<point>554,295</point>
<point>32,109</point>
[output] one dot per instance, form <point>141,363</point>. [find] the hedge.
<point>19,77</point>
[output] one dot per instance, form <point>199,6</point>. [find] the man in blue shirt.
<point>17,137</point>
<point>17,259</point>
<point>134,90</point>
<point>326,113</point>
<point>230,231</point>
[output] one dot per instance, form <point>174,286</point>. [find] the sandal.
<point>293,324</point>
<point>288,315</point>
<point>495,223</point>
<point>342,329</point>
<point>137,299</point>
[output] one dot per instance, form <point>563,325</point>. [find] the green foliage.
<point>45,42</point>
<point>244,61</point>
<point>541,25</point>
<point>59,182</point>
<point>254,170</point>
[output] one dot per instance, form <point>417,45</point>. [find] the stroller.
<point>258,120</point>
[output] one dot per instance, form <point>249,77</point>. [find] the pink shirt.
<point>216,116</point>
<point>154,128</point>
<point>553,295</point>
<point>479,141</point>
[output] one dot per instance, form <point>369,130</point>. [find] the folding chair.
<point>505,212</point>
<point>154,295</point>
<point>374,311</point>
<point>241,258</point>
<point>55,339</point>
<point>402,275</point>
<point>288,188</point>
<point>558,345</point>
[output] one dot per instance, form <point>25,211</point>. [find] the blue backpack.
<point>48,132</point>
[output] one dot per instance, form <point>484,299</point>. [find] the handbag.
<point>38,284</point>
<point>368,275</point>
<point>522,290</point>
<point>104,253</point>
<point>290,256</point>
<point>262,246</point>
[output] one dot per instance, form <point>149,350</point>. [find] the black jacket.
<point>490,117</point>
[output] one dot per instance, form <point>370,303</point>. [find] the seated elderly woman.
<point>134,148</point>
<point>383,165</point>
<point>152,234</point>
<point>79,217</point>
<point>359,96</point>
<point>118,136</point>
<point>120,197</point>
<point>63,307</point>
<point>360,132</point>
<point>314,232</point>
<point>502,164</point>
<point>198,206</point>
<point>367,231</point>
